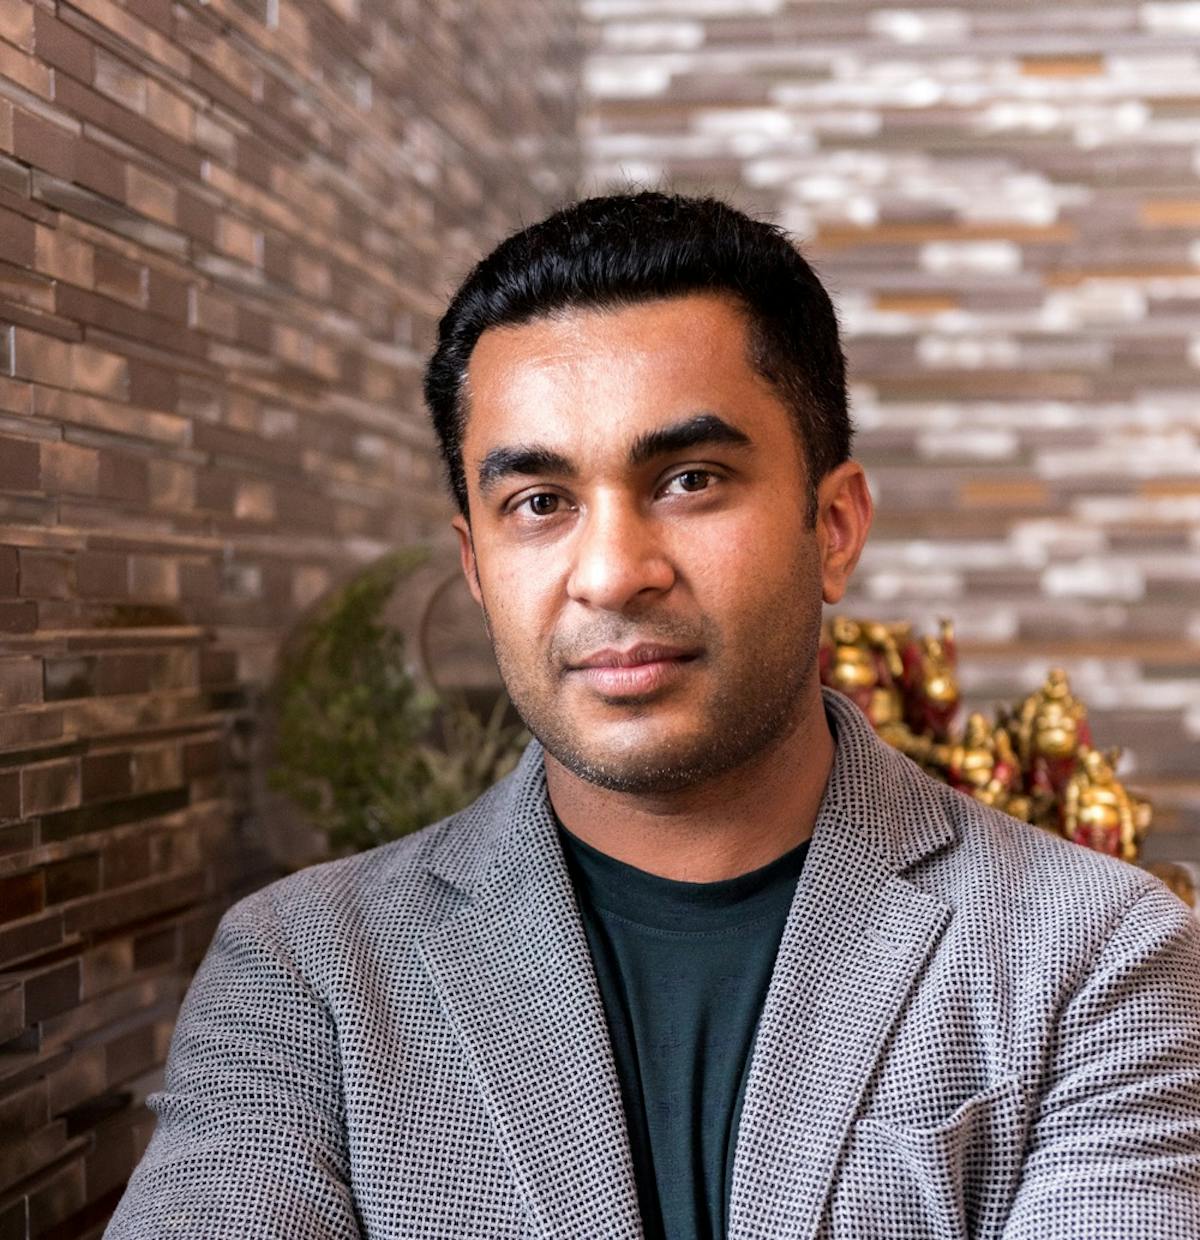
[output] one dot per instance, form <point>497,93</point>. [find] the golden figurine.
<point>1143,816</point>
<point>848,665</point>
<point>1096,809</point>
<point>1051,726</point>
<point>883,639</point>
<point>1004,790</point>
<point>1034,761</point>
<point>931,682</point>
<point>887,707</point>
<point>887,701</point>
<point>973,760</point>
<point>984,766</point>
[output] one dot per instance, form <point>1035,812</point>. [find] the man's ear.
<point>466,556</point>
<point>844,513</point>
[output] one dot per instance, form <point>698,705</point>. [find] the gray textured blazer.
<point>973,1029</point>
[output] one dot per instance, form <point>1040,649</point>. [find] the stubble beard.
<point>758,701</point>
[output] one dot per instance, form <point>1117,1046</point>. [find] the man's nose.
<point>618,555</point>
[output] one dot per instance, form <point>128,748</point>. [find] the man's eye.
<point>544,504</point>
<point>692,480</point>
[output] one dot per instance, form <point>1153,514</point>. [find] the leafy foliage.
<point>363,749</point>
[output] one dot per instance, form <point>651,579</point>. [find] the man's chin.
<point>640,764</point>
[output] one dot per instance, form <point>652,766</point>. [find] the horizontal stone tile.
<point>51,786</point>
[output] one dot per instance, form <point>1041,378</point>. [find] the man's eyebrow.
<point>702,429</point>
<point>532,460</point>
<point>528,459</point>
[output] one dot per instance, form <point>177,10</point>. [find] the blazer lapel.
<point>513,972</point>
<point>514,975</point>
<point>856,938</point>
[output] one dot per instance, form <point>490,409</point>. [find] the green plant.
<point>366,752</point>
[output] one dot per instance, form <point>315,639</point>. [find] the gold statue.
<point>1143,816</point>
<point>1004,789</point>
<point>882,639</point>
<point>851,667</point>
<point>931,682</point>
<point>972,761</point>
<point>1051,725</point>
<point>887,707</point>
<point>1096,809</point>
<point>983,765</point>
<point>1034,761</point>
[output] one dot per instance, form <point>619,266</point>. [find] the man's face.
<point>638,540</point>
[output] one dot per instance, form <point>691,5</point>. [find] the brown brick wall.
<point>226,231</point>
<point>1005,201</point>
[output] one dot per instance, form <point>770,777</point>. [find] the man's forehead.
<point>664,357</point>
<point>664,330</point>
<point>616,390</point>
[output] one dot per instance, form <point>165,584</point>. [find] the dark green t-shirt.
<point>683,970</point>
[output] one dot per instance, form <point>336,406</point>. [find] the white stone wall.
<point>1004,200</point>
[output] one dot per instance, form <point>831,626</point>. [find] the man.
<point>714,960</point>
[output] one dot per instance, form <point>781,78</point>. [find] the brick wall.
<point>1004,200</point>
<point>226,230</point>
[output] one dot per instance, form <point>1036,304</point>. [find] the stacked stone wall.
<point>226,231</point>
<point>1004,200</point>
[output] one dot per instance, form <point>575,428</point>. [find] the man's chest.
<point>508,1119</point>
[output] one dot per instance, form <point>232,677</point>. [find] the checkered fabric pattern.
<point>973,1029</point>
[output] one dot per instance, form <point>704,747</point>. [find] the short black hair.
<point>621,249</point>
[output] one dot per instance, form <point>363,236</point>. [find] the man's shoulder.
<point>1010,850</point>
<point>399,888</point>
<point>990,868</point>
<point>1010,876</point>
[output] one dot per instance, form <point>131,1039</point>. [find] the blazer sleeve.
<point>250,1139</point>
<point>1114,1150</point>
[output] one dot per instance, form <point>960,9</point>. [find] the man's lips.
<point>643,652</point>
<point>629,673</point>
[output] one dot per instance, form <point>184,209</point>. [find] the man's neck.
<point>711,831</point>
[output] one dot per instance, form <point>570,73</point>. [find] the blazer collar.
<point>513,972</point>
<point>856,939</point>
<point>877,803</point>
